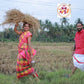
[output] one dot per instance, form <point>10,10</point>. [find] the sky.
<point>43,9</point>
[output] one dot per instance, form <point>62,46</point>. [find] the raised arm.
<point>15,29</point>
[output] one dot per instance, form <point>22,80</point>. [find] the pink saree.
<point>23,66</point>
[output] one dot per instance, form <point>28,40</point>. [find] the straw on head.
<point>15,16</point>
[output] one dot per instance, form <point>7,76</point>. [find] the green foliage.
<point>8,35</point>
<point>49,32</point>
<point>45,78</point>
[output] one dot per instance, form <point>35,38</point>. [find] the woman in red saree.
<point>25,53</point>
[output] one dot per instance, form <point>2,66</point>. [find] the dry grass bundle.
<point>15,16</point>
<point>32,21</point>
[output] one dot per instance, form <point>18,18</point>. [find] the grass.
<point>53,60</point>
<point>45,78</point>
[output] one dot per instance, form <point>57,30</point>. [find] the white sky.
<point>43,9</point>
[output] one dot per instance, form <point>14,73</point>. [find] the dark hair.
<point>25,23</point>
<point>79,23</point>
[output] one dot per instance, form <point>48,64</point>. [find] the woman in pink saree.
<point>25,53</point>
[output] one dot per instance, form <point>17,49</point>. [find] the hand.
<point>31,58</point>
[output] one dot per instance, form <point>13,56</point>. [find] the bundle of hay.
<point>34,23</point>
<point>15,16</point>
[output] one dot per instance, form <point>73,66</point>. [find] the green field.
<point>53,60</point>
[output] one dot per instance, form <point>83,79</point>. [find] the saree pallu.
<point>23,66</point>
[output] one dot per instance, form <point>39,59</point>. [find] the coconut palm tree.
<point>78,20</point>
<point>64,21</point>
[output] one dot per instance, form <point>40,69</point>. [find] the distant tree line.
<point>49,32</point>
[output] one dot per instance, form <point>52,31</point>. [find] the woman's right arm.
<point>15,29</point>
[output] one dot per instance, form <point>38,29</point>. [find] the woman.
<point>26,53</point>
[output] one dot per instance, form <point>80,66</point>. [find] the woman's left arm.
<point>30,48</point>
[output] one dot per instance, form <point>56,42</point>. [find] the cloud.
<point>42,9</point>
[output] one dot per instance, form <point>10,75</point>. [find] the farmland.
<point>52,61</point>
